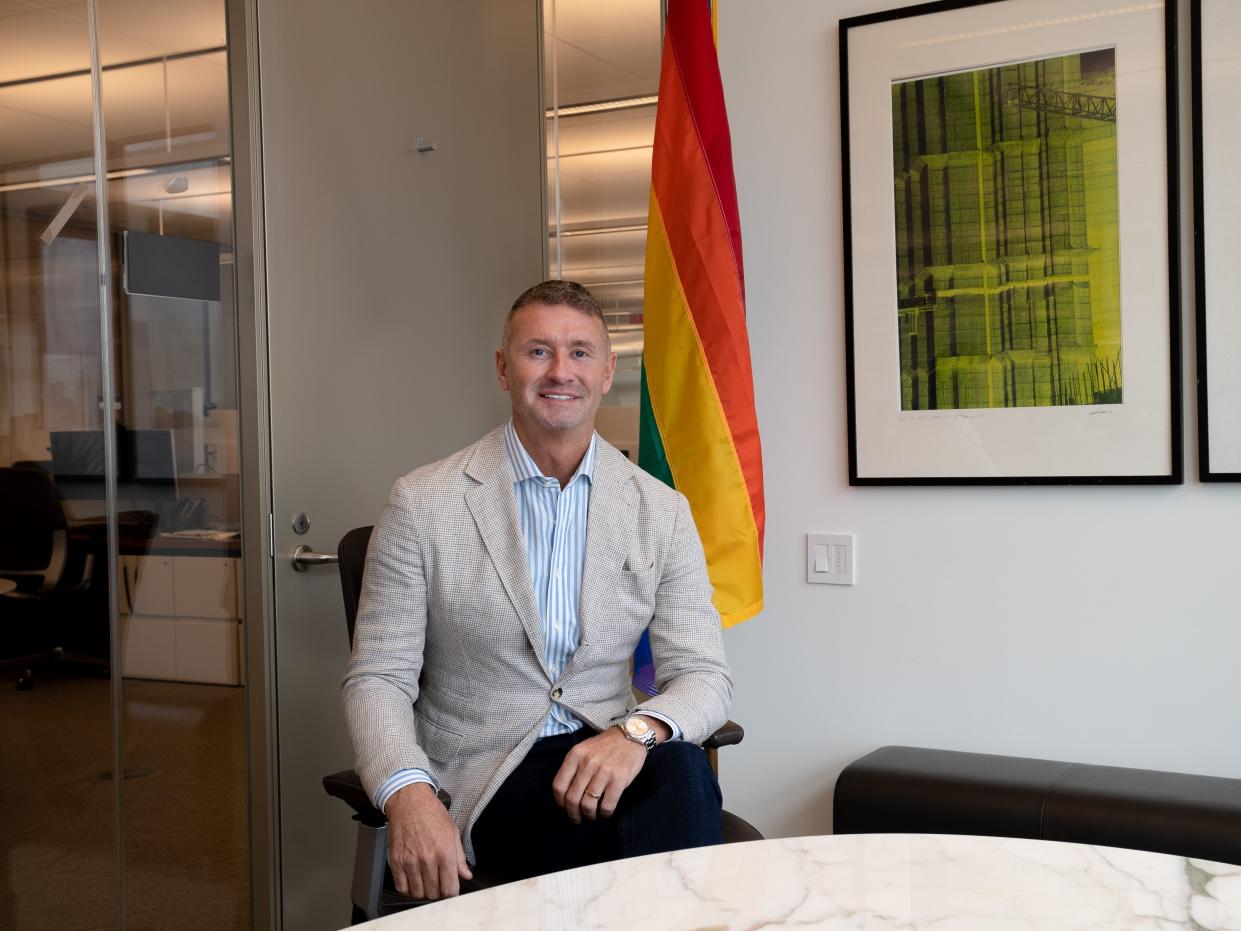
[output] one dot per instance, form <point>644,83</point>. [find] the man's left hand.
<point>596,772</point>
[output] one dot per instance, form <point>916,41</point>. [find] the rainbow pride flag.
<point>698,429</point>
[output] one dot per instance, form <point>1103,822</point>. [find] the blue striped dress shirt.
<point>553,527</point>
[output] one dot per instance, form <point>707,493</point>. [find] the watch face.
<point>636,727</point>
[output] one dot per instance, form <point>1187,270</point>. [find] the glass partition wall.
<point>601,80</point>
<point>123,795</point>
<point>58,748</point>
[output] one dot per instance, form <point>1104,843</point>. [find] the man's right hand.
<point>424,846</point>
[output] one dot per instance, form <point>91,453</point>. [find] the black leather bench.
<point>915,790</point>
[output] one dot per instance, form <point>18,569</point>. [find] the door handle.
<point>303,557</point>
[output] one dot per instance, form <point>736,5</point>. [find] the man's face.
<point>556,366</point>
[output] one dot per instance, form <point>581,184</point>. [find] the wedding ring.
<point>595,795</point>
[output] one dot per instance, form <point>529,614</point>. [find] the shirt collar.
<point>525,468</point>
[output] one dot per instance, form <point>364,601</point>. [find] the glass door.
<point>57,799</point>
<point>123,694</point>
<point>601,84</point>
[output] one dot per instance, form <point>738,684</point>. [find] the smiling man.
<point>506,588</point>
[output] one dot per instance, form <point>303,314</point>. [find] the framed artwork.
<point>1010,225</point>
<point>1216,63</point>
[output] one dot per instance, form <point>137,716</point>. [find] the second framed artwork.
<point>1011,264</point>
<point>1216,67</point>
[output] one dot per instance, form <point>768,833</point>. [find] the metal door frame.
<point>255,448</point>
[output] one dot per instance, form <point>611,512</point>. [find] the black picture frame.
<point>1221,464</point>
<point>947,448</point>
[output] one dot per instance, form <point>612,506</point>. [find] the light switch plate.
<point>831,558</point>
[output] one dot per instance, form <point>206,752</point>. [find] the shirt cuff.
<point>399,780</point>
<point>672,725</point>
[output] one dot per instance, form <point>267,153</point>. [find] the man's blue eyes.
<point>577,353</point>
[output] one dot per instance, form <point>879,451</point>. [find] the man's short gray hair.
<point>557,293</point>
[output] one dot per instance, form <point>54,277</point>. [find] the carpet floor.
<point>184,811</point>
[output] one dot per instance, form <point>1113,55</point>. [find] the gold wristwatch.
<point>636,728</point>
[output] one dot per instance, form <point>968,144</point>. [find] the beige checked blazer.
<point>447,670</point>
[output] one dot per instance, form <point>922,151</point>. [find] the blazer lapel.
<point>609,528</point>
<point>494,508</point>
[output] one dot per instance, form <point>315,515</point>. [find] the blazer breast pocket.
<point>638,565</point>
<point>638,581</point>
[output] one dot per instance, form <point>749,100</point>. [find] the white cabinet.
<point>149,646</point>
<point>146,585</point>
<point>181,619</point>
<point>208,651</point>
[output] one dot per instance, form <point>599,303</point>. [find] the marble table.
<point>861,881</point>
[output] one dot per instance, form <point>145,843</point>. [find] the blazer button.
<point>556,693</point>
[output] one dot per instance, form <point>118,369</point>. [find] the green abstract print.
<point>1007,235</point>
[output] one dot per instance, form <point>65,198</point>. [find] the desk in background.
<point>181,617</point>
<point>181,614</point>
<point>872,881</point>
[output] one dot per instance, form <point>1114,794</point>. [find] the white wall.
<point>1093,624</point>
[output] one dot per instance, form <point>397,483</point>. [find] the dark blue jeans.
<point>674,803</point>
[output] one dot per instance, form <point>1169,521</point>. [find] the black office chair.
<point>373,892</point>
<point>52,579</point>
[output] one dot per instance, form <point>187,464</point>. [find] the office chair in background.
<point>373,892</point>
<point>51,596</point>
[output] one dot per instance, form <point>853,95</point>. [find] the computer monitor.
<point>78,464</point>
<point>146,465</point>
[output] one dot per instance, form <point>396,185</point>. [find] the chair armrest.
<point>729,733</point>
<point>347,787</point>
